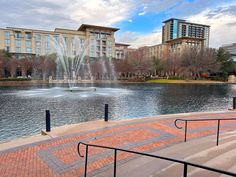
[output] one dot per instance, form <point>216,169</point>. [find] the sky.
<point>139,21</point>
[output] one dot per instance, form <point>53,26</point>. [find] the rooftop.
<point>181,20</point>
<point>117,43</point>
<point>84,26</point>
<point>173,19</point>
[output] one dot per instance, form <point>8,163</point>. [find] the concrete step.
<point>203,148</point>
<point>222,157</point>
<point>224,161</point>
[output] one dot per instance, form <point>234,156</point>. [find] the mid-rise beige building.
<point>121,50</point>
<point>90,40</point>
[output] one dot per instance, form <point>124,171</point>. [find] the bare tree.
<point>25,65</point>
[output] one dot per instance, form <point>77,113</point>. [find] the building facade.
<point>231,48</point>
<point>93,41</point>
<point>179,34</point>
<point>121,50</point>
<point>99,41</point>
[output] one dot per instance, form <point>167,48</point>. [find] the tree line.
<point>192,63</point>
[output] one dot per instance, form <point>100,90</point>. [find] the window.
<point>104,43</point>
<point>28,50</point>
<point>37,44</point>
<point>47,51</point>
<point>98,42</point>
<point>7,42</point>
<point>38,51</point>
<point>37,37</point>
<point>47,44</point>
<point>28,43</point>
<point>17,35</point>
<point>110,43</point>
<point>65,39</point>
<point>109,51</point>
<point>103,36</point>
<point>81,45</point>
<point>18,50</point>
<point>18,43</point>
<point>98,35</point>
<point>47,38</point>
<point>7,35</point>
<point>56,37</point>
<point>28,36</point>
<point>91,53</point>
<point>74,46</point>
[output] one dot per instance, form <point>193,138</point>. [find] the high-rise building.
<point>179,34</point>
<point>93,41</point>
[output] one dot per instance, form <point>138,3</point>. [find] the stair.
<point>201,151</point>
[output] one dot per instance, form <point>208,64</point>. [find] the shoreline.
<point>70,129</point>
<point>166,81</point>
<point>161,81</point>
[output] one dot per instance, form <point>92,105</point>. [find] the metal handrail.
<point>196,120</point>
<point>185,163</point>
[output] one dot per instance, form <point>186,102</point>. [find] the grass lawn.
<point>182,81</point>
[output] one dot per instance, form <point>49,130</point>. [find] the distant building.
<point>231,48</point>
<point>99,41</point>
<point>180,34</point>
<point>95,41</point>
<point>158,51</point>
<point>121,50</point>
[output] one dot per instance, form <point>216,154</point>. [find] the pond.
<point>22,109</point>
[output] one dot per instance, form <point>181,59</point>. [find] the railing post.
<point>86,161</point>
<point>115,156</point>
<point>185,170</point>
<point>106,113</point>
<point>218,133</point>
<point>234,102</point>
<point>48,121</point>
<point>185,134</point>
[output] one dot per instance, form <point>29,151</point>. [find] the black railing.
<point>116,150</point>
<point>198,120</point>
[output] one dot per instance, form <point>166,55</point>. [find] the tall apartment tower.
<point>179,34</point>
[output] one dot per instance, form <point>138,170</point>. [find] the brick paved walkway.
<point>58,156</point>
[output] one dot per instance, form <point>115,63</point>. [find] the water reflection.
<point>22,111</point>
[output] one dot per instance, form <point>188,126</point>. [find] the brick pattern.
<point>59,157</point>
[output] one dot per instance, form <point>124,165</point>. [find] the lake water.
<point>22,110</point>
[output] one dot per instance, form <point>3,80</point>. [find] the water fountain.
<point>76,72</point>
<point>72,64</point>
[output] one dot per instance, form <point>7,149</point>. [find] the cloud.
<point>222,21</point>
<point>141,13</point>
<point>136,39</point>
<point>102,12</point>
<point>49,14</point>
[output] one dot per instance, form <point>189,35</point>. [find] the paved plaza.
<point>59,157</point>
